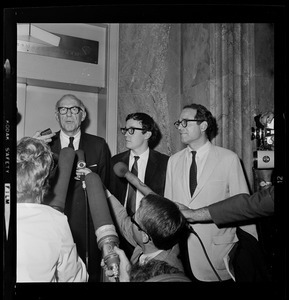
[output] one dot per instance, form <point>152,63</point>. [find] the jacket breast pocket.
<point>222,244</point>
<point>93,168</point>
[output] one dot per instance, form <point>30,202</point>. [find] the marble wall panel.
<point>149,61</point>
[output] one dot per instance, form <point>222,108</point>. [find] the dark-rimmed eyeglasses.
<point>74,110</point>
<point>130,130</point>
<point>184,122</point>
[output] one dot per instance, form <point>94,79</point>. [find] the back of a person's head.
<point>153,268</point>
<point>148,124</point>
<point>162,221</point>
<point>34,162</point>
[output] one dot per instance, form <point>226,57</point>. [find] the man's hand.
<point>45,138</point>
<point>124,267</point>
<point>82,171</point>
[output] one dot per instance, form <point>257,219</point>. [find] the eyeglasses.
<point>184,122</point>
<point>129,130</point>
<point>138,226</point>
<point>74,110</point>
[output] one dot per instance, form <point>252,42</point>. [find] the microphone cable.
<point>204,249</point>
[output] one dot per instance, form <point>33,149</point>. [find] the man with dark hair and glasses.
<point>154,230</point>
<point>141,135</point>
<point>197,176</point>
<point>70,112</point>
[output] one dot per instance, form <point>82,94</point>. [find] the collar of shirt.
<point>201,157</point>
<point>142,163</point>
<point>64,139</point>
<point>144,258</point>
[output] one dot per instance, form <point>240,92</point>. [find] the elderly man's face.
<point>69,122</point>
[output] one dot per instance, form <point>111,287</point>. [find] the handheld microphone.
<point>121,170</point>
<point>81,164</point>
<point>81,159</point>
<point>104,228</point>
<point>65,164</point>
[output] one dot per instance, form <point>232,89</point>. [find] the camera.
<point>264,136</point>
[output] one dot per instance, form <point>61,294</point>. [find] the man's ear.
<point>204,125</point>
<point>145,237</point>
<point>56,116</point>
<point>83,115</point>
<point>148,134</point>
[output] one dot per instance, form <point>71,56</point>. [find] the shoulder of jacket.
<point>119,156</point>
<point>223,150</point>
<point>178,154</point>
<point>159,154</point>
<point>93,139</point>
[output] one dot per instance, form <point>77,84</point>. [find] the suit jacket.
<point>155,174</point>
<point>124,225</point>
<point>98,156</point>
<point>221,178</point>
<point>243,207</point>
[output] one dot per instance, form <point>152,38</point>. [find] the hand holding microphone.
<point>121,170</point>
<point>105,231</point>
<point>80,167</point>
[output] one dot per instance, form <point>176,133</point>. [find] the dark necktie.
<point>131,196</point>
<point>193,173</point>
<point>71,142</point>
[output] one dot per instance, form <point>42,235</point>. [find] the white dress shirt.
<point>144,258</point>
<point>201,157</point>
<point>64,140</point>
<point>46,251</point>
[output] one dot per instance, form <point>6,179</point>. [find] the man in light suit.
<point>219,175</point>
<point>70,113</point>
<point>142,135</point>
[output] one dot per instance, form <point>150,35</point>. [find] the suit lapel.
<point>82,142</point>
<point>56,146</point>
<point>125,158</point>
<point>151,167</point>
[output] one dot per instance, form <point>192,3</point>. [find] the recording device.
<point>104,228</point>
<point>46,131</point>
<point>121,170</point>
<point>263,158</point>
<point>65,164</point>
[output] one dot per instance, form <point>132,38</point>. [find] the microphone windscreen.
<point>98,205</point>
<point>120,169</point>
<point>65,164</point>
<point>80,158</point>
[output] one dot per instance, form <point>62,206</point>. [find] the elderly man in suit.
<point>70,112</point>
<point>141,136</point>
<point>199,175</point>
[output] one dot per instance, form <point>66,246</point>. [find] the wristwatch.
<point>264,183</point>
